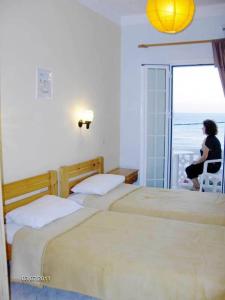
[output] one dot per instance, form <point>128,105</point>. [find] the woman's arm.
<point>203,157</point>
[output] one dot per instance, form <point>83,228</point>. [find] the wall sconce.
<point>87,117</point>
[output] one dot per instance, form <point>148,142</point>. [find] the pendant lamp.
<point>170,16</point>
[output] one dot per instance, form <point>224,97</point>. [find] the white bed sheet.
<point>80,198</point>
<point>11,229</point>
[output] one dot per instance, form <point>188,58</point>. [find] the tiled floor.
<point>26,292</point>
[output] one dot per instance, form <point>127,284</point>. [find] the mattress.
<point>111,255</point>
<point>205,208</point>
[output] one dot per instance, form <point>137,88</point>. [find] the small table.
<point>131,175</point>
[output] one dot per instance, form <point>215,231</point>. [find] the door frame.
<point>143,125</point>
<point>4,284</point>
<point>4,288</point>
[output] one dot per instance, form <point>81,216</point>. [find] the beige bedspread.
<point>116,256</point>
<point>206,208</point>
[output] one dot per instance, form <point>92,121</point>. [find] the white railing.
<point>182,159</point>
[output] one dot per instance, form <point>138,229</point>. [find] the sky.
<point>197,90</point>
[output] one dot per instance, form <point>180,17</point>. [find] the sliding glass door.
<point>155,126</point>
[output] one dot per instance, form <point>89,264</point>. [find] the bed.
<point>22,192</point>
<point>111,255</point>
<point>206,208</point>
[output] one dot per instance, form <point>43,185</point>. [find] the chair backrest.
<point>211,182</point>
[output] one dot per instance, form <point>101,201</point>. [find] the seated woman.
<point>211,149</point>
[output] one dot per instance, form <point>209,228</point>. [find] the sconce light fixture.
<point>87,117</point>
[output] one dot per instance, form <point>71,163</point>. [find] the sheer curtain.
<point>219,59</point>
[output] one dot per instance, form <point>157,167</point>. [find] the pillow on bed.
<point>99,184</point>
<point>10,230</point>
<point>42,211</point>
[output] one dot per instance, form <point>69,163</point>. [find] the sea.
<point>187,130</point>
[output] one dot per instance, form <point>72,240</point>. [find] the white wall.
<point>133,57</point>
<point>83,51</point>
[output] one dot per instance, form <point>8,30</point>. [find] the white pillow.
<point>98,184</point>
<point>10,230</point>
<point>42,211</point>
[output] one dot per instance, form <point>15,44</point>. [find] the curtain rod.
<point>175,43</point>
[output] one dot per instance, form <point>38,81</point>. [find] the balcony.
<point>182,159</point>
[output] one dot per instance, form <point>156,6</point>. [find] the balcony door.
<point>155,126</point>
<point>197,96</point>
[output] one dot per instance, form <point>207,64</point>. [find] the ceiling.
<point>116,9</point>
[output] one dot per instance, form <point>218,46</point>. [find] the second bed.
<point>205,208</point>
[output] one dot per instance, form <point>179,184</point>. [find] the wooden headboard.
<point>36,186</point>
<point>73,174</point>
<point>22,192</point>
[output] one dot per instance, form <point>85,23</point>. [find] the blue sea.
<point>187,130</point>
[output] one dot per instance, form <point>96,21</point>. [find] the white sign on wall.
<point>44,84</point>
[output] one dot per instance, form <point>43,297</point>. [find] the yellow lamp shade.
<point>170,16</point>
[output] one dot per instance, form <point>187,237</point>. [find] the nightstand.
<point>131,175</point>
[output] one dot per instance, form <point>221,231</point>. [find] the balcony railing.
<point>182,159</point>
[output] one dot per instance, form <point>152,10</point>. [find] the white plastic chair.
<point>211,182</point>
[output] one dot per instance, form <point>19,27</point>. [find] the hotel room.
<point>90,205</point>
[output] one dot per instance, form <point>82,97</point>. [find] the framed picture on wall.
<point>44,84</point>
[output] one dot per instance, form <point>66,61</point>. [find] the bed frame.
<point>27,190</point>
<point>73,174</point>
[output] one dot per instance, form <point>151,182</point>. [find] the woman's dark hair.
<point>210,127</point>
